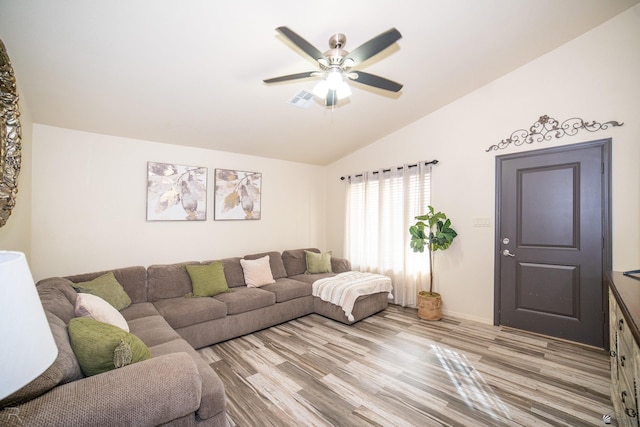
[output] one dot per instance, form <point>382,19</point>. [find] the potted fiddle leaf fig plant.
<point>432,232</point>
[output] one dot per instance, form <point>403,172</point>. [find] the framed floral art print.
<point>176,192</point>
<point>237,195</point>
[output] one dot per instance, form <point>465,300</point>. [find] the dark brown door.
<point>552,241</point>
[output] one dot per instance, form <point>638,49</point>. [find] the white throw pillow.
<point>257,272</point>
<point>94,307</point>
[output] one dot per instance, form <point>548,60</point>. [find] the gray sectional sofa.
<point>175,386</point>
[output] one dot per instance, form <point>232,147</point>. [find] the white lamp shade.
<point>320,89</point>
<point>343,91</point>
<point>334,78</point>
<point>28,347</point>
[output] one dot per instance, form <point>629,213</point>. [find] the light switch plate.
<point>482,222</point>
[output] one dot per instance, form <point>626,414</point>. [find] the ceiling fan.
<point>336,64</point>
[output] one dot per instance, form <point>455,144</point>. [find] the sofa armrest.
<point>340,265</point>
<point>147,393</point>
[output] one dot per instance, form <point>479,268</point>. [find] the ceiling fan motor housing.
<point>336,54</point>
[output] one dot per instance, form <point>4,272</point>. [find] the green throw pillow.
<point>94,344</point>
<point>208,280</point>
<point>318,263</point>
<point>107,288</point>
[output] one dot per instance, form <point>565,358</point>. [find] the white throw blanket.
<point>343,289</point>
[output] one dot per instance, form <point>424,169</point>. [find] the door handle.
<point>507,253</point>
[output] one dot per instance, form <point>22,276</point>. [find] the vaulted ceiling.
<point>191,72</point>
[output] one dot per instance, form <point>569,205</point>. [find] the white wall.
<point>594,77</point>
<point>89,205</point>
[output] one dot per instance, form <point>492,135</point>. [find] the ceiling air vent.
<point>303,99</point>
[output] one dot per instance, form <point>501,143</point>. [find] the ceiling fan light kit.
<point>336,63</point>
<point>333,82</point>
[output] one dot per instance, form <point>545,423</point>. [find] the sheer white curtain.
<point>381,205</point>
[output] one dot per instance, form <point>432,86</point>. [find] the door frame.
<point>605,146</point>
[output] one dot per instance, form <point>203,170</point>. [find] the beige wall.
<point>594,77</point>
<point>15,235</point>
<point>89,210</point>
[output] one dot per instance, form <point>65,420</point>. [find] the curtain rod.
<point>432,162</point>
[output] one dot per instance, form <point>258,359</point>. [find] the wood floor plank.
<point>393,369</point>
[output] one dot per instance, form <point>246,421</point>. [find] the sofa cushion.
<point>275,261</point>
<point>132,279</point>
<point>94,343</point>
<point>106,287</point>
<point>63,370</point>
<point>241,300</point>
<point>213,400</point>
<point>340,265</point>
<point>58,297</point>
<point>287,289</point>
<point>318,263</point>
<point>310,278</point>
<point>181,312</point>
<point>168,281</point>
<point>207,280</point>
<point>257,272</point>
<point>94,307</point>
<point>153,330</point>
<point>138,310</point>
<point>233,272</point>
<point>295,261</point>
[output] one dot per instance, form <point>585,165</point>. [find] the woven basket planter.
<point>429,306</point>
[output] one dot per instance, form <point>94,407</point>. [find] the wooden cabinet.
<point>624,315</point>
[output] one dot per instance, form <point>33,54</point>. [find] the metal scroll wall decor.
<point>10,154</point>
<point>547,128</point>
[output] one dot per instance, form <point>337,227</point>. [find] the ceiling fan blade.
<point>374,46</point>
<point>288,77</point>
<point>306,47</point>
<point>331,99</point>
<point>376,81</point>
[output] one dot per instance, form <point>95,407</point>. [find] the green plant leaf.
<point>417,244</point>
<point>432,230</point>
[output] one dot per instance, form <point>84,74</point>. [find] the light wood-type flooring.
<point>393,369</point>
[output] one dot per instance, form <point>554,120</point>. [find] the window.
<point>381,205</point>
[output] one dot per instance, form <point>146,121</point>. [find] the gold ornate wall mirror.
<point>10,155</point>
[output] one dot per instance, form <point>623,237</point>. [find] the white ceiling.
<point>190,72</point>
